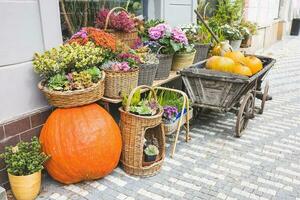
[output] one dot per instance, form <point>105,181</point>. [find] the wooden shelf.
<point>173,75</point>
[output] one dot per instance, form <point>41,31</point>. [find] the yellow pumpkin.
<point>221,48</point>
<point>236,56</point>
<point>219,63</point>
<point>253,63</point>
<point>242,70</point>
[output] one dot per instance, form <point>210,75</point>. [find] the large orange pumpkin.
<point>236,56</point>
<point>242,70</point>
<point>219,63</point>
<point>84,143</point>
<point>254,64</point>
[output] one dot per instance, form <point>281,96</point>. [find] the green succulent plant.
<point>58,82</point>
<point>151,150</point>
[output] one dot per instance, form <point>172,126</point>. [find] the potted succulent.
<point>151,152</point>
<point>201,38</point>
<point>24,165</point>
<point>148,67</point>
<point>184,57</point>
<point>121,74</point>
<point>232,34</point>
<point>165,41</point>
<point>70,74</point>
<point>120,23</point>
<point>248,29</point>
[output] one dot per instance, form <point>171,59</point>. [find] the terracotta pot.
<point>183,60</point>
<point>25,187</point>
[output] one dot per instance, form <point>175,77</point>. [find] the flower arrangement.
<point>170,113</point>
<point>144,107</point>
<point>123,62</point>
<point>231,33</point>
<point>166,40</point>
<point>70,66</point>
<point>97,36</point>
<point>197,34</point>
<point>25,158</point>
<point>145,55</point>
<point>118,21</point>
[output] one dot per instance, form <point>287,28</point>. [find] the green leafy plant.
<point>252,27</point>
<point>151,150</point>
<point>25,158</point>
<point>231,33</point>
<point>58,82</point>
<point>245,32</point>
<point>197,34</point>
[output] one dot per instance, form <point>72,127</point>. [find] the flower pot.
<point>246,42</point>
<point>147,74</point>
<point>201,52</point>
<point>164,66</point>
<point>235,44</point>
<point>183,60</point>
<point>149,158</point>
<point>25,187</point>
<point>127,38</point>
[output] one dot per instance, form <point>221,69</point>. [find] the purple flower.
<point>155,34</point>
<point>170,112</point>
<point>82,33</point>
<point>179,36</point>
<point>159,31</point>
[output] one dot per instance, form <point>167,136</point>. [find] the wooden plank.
<point>173,75</point>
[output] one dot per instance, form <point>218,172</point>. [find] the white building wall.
<point>27,26</point>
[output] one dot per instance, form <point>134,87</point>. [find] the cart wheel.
<point>245,113</point>
<point>264,98</point>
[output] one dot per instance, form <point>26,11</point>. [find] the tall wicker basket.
<point>117,82</point>
<point>134,129</point>
<point>129,38</point>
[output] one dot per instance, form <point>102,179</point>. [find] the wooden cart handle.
<point>110,13</point>
<point>134,91</point>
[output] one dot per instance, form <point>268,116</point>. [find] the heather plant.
<point>25,158</point>
<point>118,21</point>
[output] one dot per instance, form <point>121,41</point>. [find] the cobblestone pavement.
<point>263,164</point>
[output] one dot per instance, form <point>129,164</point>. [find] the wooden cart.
<point>227,92</point>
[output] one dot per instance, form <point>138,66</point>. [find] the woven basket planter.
<point>134,129</point>
<point>127,38</point>
<point>164,66</point>
<point>182,60</point>
<point>69,99</point>
<point>147,74</point>
<point>172,127</point>
<point>201,52</point>
<point>120,82</point>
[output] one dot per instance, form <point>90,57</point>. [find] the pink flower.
<point>155,33</point>
<point>164,28</point>
<point>179,36</point>
<point>123,66</point>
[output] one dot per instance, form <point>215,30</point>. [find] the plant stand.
<point>181,121</point>
<point>135,129</point>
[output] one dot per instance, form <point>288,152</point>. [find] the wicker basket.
<point>127,38</point>
<point>182,60</point>
<point>164,67</point>
<point>171,128</point>
<point>134,129</point>
<point>120,82</point>
<point>147,74</point>
<point>74,98</point>
<point>201,52</point>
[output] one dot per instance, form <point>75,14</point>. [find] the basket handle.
<point>133,92</point>
<point>109,14</point>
